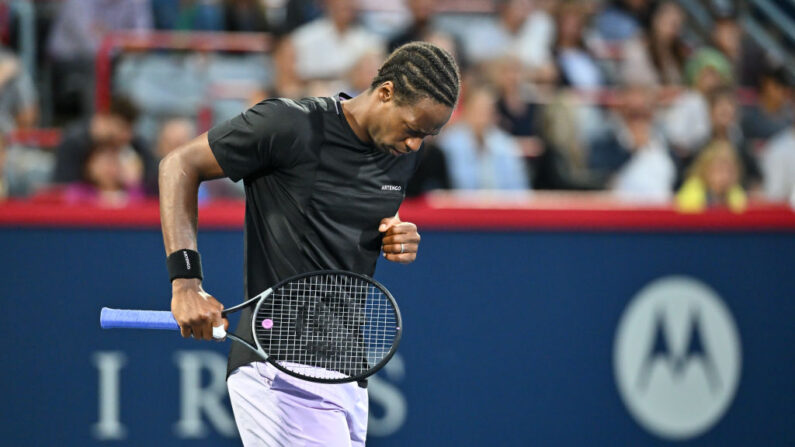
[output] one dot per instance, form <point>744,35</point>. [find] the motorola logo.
<point>677,358</point>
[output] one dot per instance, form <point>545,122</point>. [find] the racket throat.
<point>254,349</point>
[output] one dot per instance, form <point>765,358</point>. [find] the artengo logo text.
<point>677,358</point>
<point>391,188</point>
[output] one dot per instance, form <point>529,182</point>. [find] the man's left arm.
<point>400,240</point>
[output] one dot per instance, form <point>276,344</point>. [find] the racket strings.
<point>329,326</point>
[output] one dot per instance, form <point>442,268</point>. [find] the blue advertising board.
<point>511,338</point>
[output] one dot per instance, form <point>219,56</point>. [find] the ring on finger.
<point>402,248</point>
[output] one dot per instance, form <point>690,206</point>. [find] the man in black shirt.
<point>324,178</point>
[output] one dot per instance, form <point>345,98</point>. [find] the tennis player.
<point>324,178</point>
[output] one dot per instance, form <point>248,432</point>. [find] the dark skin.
<point>375,116</point>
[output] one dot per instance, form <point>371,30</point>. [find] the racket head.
<point>329,326</point>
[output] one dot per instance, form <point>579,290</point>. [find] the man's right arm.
<point>180,173</point>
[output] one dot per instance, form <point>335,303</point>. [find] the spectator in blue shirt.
<point>479,154</point>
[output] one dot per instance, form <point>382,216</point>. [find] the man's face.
<point>514,12</point>
<point>727,35</point>
<point>112,130</point>
<point>400,129</point>
<point>637,104</point>
<point>421,10</point>
<point>773,89</point>
<point>341,12</point>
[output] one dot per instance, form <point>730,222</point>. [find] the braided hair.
<point>419,70</point>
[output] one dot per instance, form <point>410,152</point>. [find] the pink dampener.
<point>267,323</point>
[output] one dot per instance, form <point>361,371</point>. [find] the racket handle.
<point>137,319</point>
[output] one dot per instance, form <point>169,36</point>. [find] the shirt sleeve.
<point>270,135</point>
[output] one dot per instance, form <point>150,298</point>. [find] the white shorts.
<point>275,409</point>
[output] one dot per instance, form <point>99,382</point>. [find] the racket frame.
<point>257,348</point>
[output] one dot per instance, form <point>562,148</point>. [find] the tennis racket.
<point>328,326</point>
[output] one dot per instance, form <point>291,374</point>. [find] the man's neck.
<point>355,112</point>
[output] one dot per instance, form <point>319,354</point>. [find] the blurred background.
<point>607,220</point>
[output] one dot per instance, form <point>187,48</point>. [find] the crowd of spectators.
<point>621,96</point>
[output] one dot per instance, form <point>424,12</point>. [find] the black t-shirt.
<point>315,194</point>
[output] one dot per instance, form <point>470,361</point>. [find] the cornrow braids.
<point>419,70</point>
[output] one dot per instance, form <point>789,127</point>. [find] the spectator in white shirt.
<point>632,157</point>
<point>778,167</point>
<point>524,29</point>
<point>327,48</point>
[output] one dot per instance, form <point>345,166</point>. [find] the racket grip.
<point>137,319</point>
